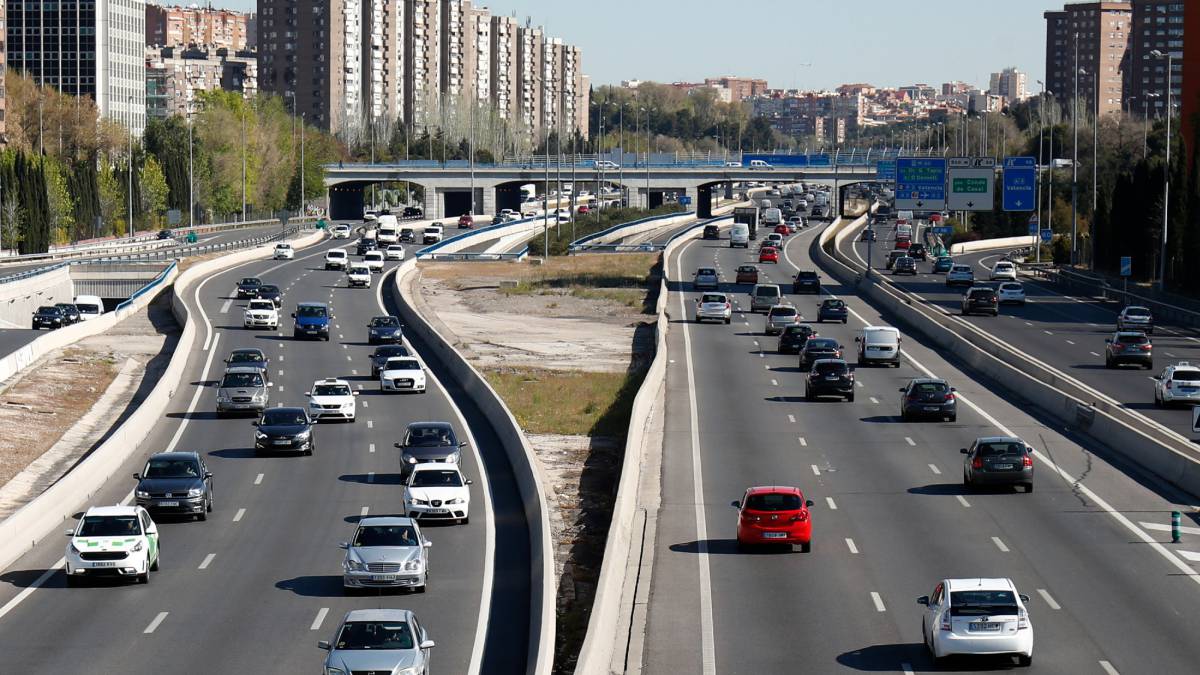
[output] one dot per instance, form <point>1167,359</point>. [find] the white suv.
<point>331,398</point>
<point>261,314</point>
<point>976,616</point>
<point>284,252</point>
<point>1005,271</point>
<point>374,260</point>
<point>359,275</point>
<point>960,275</point>
<point>432,234</point>
<point>341,231</point>
<point>119,541</point>
<point>1179,383</point>
<point>336,259</point>
<point>1011,292</point>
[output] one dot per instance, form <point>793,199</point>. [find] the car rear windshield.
<point>386,535</point>
<point>981,603</point>
<point>379,635</point>
<point>806,275</point>
<point>1011,286</point>
<point>983,294</point>
<point>801,329</point>
<point>1137,311</point>
<point>835,304</point>
<point>822,343</point>
<point>171,468</point>
<point>783,311</point>
<point>1133,339</point>
<point>713,298</point>
<point>110,526</point>
<point>962,268</point>
<point>930,387</point>
<point>1186,375</point>
<point>773,501</point>
<point>705,271</point>
<point>331,390</point>
<point>999,449</point>
<point>439,478</point>
<point>747,268</point>
<point>832,368</point>
<point>241,380</point>
<point>767,291</point>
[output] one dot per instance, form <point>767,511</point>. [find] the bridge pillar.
<point>488,201</point>
<point>433,203</point>
<point>729,190</point>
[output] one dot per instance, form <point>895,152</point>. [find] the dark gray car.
<point>998,460</point>
<point>176,483</point>
<point>426,442</point>
<point>928,397</point>
<point>285,430</point>
<point>380,356</point>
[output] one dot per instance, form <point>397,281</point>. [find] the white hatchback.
<point>1011,292</point>
<point>284,252</point>
<point>1004,270</point>
<point>402,374</point>
<point>341,231</point>
<point>977,616</point>
<point>331,398</point>
<point>374,260</point>
<point>437,491</point>
<point>395,252</point>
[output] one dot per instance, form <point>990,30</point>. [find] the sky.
<point>880,42</point>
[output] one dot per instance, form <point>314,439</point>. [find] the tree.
<point>60,201</point>
<point>154,190</point>
<point>112,201</point>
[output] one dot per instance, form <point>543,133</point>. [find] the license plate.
<point>1002,467</point>
<point>283,442</point>
<point>439,511</point>
<point>774,535</point>
<point>831,377</point>
<point>383,577</point>
<point>168,503</point>
<point>104,564</point>
<point>989,627</point>
<point>1188,390</point>
<point>931,408</point>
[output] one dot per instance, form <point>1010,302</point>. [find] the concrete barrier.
<point>47,512</point>
<point>513,230</point>
<point>630,229</point>
<point>19,299</point>
<point>989,244</point>
<point>525,465</point>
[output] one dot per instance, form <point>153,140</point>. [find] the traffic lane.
<point>12,339</point>
<point>243,547</point>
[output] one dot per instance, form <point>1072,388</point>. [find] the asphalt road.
<point>254,587</point>
<point>1066,332</point>
<point>891,516</point>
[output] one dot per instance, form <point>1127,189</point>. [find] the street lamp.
<point>1162,260</point>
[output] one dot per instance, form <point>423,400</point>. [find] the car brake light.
<point>1022,619</point>
<point>1146,347</point>
<point>946,622</point>
<point>977,463</point>
<point>1028,461</point>
<point>800,517</point>
<point>949,396</point>
<point>727,305</point>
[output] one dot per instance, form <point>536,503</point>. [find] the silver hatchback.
<point>764,297</point>
<point>780,317</point>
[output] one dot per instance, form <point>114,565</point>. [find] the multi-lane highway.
<point>254,587</point>
<point>1065,332</point>
<point>891,515</point>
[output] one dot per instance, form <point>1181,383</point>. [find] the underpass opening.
<point>510,195</point>
<point>346,201</point>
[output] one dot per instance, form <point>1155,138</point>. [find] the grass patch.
<point>568,402</point>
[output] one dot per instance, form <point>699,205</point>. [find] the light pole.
<point>1075,157</point>
<point>302,209</point>
<point>621,166</point>
<point>1037,242</point>
<point>470,149</point>
<point>647,111</point>
<point>1095,172</point>
<point>191,172</point>
<point>1162,260</point>
<point>129,107</point>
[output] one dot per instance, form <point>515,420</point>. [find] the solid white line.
<point>816,470</point>
<point>850,545</point>
<point>1108,668</point>
<point>154,624</point>
<point>963,500</point>
<point>37,583</point>
<point>196,396</point>
<point>803,443</point>
<point>316,624</point>
<point>207,561</point>
<point>909,441</point>
<point>258,479</point>
<point>371,448</point>
<point>832,504</point>
<point>878,602</point>
<point>1049,600</point>
<point>999,544</point>
<point>935,470</point>
<point>238,516</point>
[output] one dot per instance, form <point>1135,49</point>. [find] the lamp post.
<point>1162,260</point>
<point>648,111</point>
<point>129,108</point>
<point>191,172</point>
<point>302,209</point>
<point>243,161</point>
<point>621,165</point>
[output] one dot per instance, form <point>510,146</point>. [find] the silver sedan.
<point>386,552</point>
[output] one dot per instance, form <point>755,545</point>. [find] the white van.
<point>388,231</point>
<point>90,307</point>
<point>771,218</point>
<point>758,164</point>
<point>878,344</point>
<point>739,235</point>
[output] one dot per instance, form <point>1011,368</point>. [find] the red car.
<point>583,209</point>
<point>769,254</point>
<point>774,515</point>
<point>782,229</point>
<point>466,221</point>
<point>747,274</point>
<point>902,243</point>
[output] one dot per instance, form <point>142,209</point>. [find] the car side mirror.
<point>254,423</point>
<point>901,390</point>
<point>324,644</point>
<point>952,389</point>
<point>208,474</point>
<point>397,445</point>
<point>137,476</point>
<point>808,502</point>
<point>462,444</point>
<point>70,533</point>
<point>293,315</point>
<point>923,600</point>
<point>427,544</point>
<point>343,544</point>
<point>964,451</point>
<point>427,644</point>
<point>153,529</point>
<point>858,339</point>
<point>356,393</point>
<point>469,482</point>
<point>308,393</point>
<point>735,504</point>
<point>1023,597</point>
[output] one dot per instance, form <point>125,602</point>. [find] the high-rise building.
<point>1101,33</point>
<point>1158,25</point>
<point>382,51</point>
<point>308,54</point>
<point>196,26</point>
<point>505,92</point>
<point>422,55</point>
<point>97,50</point>
<point>740,88</point>
<point>174,76</point>
<point>1191,79</point>
<point>529,78</point>
<point>465,41</point>
<point>1008,84</point>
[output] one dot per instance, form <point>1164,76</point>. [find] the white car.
<point>960,275</point>
<point>331,398</point>
<point>713,307</point>
<point>437,492</point>
<point>394,252</point>
<point>341,231</point>
<point>402,374</point>
<point>374,260</point>
<point>359,275</point>
<point>1134,317</point>
<point>336,259</point>
<point>977,616</point>
<point>119,541</point>
<point>1011,292</point>
<point>284,252</point>
<point>1179,383</point>
<point>1004,270</point>
<point>432,234</point>
<point>261,314</point>
<point>607,165</point>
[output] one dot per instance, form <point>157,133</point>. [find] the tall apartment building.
<point>466,43</point>
<point>529,78</point>
<point>1009,84</point>
<point>740,88</point>
<point>198,26</point>
<point>174,77</point>
<point>503,80</point>
<point>422,56</point>
<point>382,52</point>
<point>552,83</point>
<point>308,55</point>
<point>1157,25</point>
<point>97,50</point>
<point>1101,31</point>
<point>574,91</point>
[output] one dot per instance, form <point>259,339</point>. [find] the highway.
<point>891,516</point>
<point>1066,332</point>
<point>254,587</point>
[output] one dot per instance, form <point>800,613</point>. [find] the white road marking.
<point>1191,556</point>
<point>37,583</point>
<point>792,419</point>
<point>1162,527</point>
<point>816,470</point>
<point>366,404</point>
<point>1028,323</point>
<point>1047,332</point>
<point>1070,342</point>
<point>803,442</point>
<point>861,385</point>
<point>281,371</point>
<point>963,500</point>
<point>207,561</point>
<point>1094,354</point>
<point>874,400</point>
<point>935,470</point>
<point>774,383</point>
<point>225,306</point>
<point>371,448</point>
<point>999,544</point>
<point>353,372</point>
<point>316,624</point>
<point>910,441</point>
<point>196,396</point>
<point>281,344</point>
<point>907,668</point>
<point>370,424</point>
<point>349,359</point>
<point>258,479</point>
<point>154,624</point>
<point>1049,600</point>
<point>281,358</point>
<point>878,602</point>
<point>238,516</point>
<point>832,504</point>
<point>1108,668</point>
<point>362,513</point>
<point>850,545</point>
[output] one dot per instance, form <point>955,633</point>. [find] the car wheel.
<point>1108,363</point>
<point>1025,661</point>
<point>806,547</point>
<point>72,580</point>
<point>727,321</point>
<point>953,418</point>
<point>1157,400</point>
<point>850,398</point>
<point>903,416</point>
<point>423,586</point>
<point>143,578</point>
<point>807,396</point>
<point>154,565</point>
<point>465,520</point>
<point>845,320</point>
<point>203,515</point>
<point>966,480</point>
<point>1029,487</point>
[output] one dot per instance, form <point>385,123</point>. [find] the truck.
<point>528,192</point>
<point>747,215</point>
<point>771,218</point>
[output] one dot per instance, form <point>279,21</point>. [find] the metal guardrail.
<point>1100,289</point>
<point>514,255</point>
<point>431,250</point>
<point>648,246</point>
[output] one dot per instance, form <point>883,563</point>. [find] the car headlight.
<point>419,502</point>
<point>259,396</point>
<point>412,565</point>
<point>454,457</point>
<point>409,671</point>
<point>137,547</point>
<point>303,434</point>
<point>222,398</point>
<point>410,459</point>
<point>195,492</point>
<point>260,436</point>
<point>455,500</point>
<point>347,405</point>
<point>355,566</point>
<point>142,494</point>
<point>74,550</point>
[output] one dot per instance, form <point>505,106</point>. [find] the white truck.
<point>387,230</point>
<point>771,217</point>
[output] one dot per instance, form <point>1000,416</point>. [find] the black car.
<point>793,338</point>
<point>271,292</point>
<point>426,442</point>
<point>365,244</point>
<point>981,300</point>
<point>284,430</point>
<point>806,282</point>
<point>833,310</point>
<point>928,397</point>
<point>248,288</point>
<point>905,265</point>
<point>998,460</point>
<point>407,236</point>
<point>176,483</point>
<point>829,377</point>
<point>249,357</point>
<point>380,357</point>
<point>711,232</point>
<point>412,212</point>
<point>868,235</point>
<point>48,316</point>
<point>70,313</point>
<point>918,252</point>
<point>497,220</point>
<point>819,348</point>
<point>165,234</point>
<point>384,329</point>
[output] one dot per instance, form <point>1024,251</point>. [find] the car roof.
<point>378,615</point>
<point>242,369</point>
<point>385,521</point>
<point>981,584</point>
<point>1130,333</point>
<point>246,350</point>
<point>312,304</point>
<point>115,510</point>
<point>430,425</point>
<point>284,408</point>
<point>998,439</point>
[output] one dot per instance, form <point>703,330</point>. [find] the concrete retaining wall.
<point>19,299</point>
<point>513,231</point>
<point>530,481</point>
<point>634,228</point>
<point>989,244</point>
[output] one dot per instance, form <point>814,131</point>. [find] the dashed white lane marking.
<point>281,387</point>
<point>1070,342</point>
<point>370,476</point>
<point>1000,544</point>
<point>1047,332</point>
<point>353,372</point>
<point>341,337</point>
<point>774,383</point>
<point>370,424</point>
<point>207,561</point>
<point>155,623</point>
<point>366,404</point>
<point>878,602</point>
<point>850,545</point>
<point>935,470</point>
<point>316,624</point>
<point>258,479</point>
<point>281,372</point>
<point>816,470</point>
<point>281,345</point>
<point>792,419</point>
<point>832,504</point>
<point>349,358</point>
<point>910,441</point>
<point>371,448</point>
<point>225,306</point>
<point>1093,353</point>
<point>874,400</point>
<point>963,500</point>
<point>1169,355</point>
<point>907,668</point>
<point>238,516</point>
<point>1093,325</point>
<point>803,442</point>
<point>1049,600</point>
<point>1108,668</point>
<point>861,385</point>
<point>1028,323</point>
<point>362,513</point>
<point>345,347</point>
<point>281,358</point>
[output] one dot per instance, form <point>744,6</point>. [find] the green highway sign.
<point>970,185</point>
